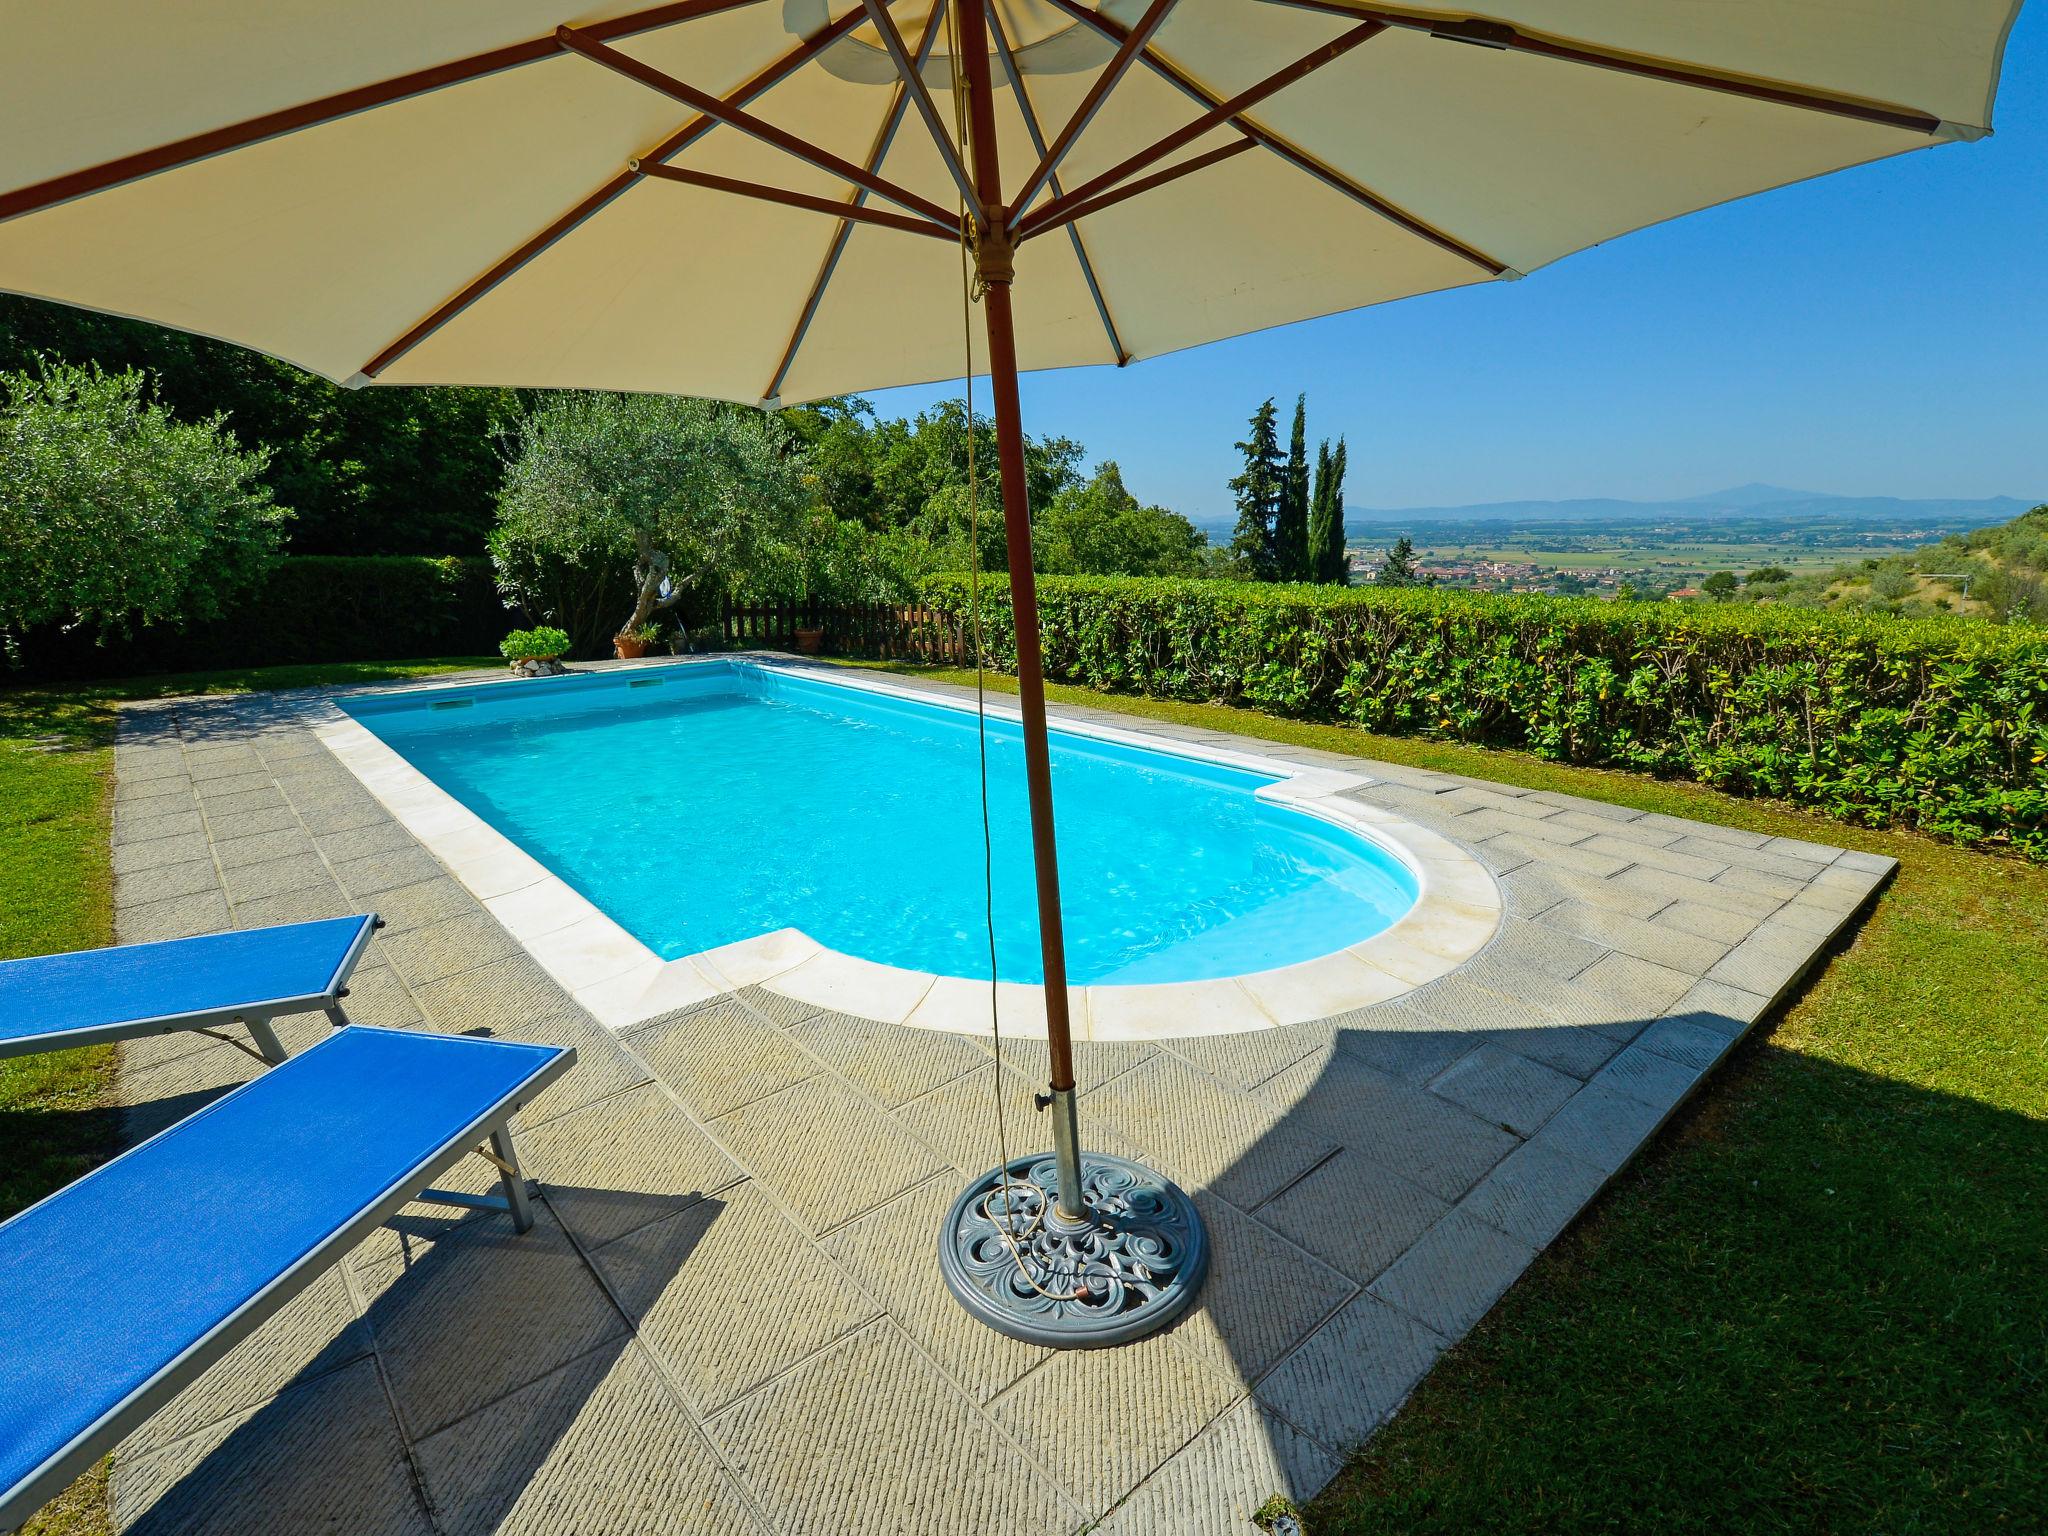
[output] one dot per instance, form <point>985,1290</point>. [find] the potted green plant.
<point>632,644</point>
<point>535,652</point>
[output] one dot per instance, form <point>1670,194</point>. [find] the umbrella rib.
<point>885,136</point>
<point>1049,160</point>
<point>1292,153</point>
<point>1063,211</point>
<point>673,145</point>
<point>1031,126</point>
<point>754,127</point>
<point>1499,35</point>
<point>788,199</point>
<point>327,109</point>
<point>1222,112</point>
<point>913,82</point>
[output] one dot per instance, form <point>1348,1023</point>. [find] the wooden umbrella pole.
<point>994,266</point>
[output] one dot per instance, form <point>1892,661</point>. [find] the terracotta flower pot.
<point>810,641</point>
<point>628,647</point>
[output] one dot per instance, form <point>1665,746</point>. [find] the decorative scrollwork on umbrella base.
<point>1133,1264</point>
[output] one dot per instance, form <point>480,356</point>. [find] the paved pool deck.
<point>728,1318</point>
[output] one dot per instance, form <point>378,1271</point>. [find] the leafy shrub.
<point>308,608</point>
<point>538,644</point>
<point>114,514</point>
<point>1935,723</point>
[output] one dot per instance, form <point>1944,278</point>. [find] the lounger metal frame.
<point>18,1503</point>
<point>256,1016</point>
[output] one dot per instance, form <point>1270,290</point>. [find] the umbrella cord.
<point>970,294</point>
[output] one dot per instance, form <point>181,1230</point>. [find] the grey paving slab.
<point>1658,1080</point>
<point>1535,1191</point>
<point>1101,1420</point>
<point>1457,1270</point>
<point>1095,1061</point>
<point>624,1161</point>
<point>305,904</point>
<point>1264,1294</point>
<point>727,1294</point>
<point>405,907</point>
<point>888,1062</point>
<point>1715,923</point>
<point>1762,965</point>
<point>1665,946</point>
<point>1510,1090</point>
<point>601,1445</point>
<point>274,877</point>
<point>1656,855</point>
<point>1720,1006</point>
<point>1400,1042</point>
<point>827,1153</point>
<point>1354,1214</point>
<point>719,1056</point>
<point>1346,1381</point>
<point>1201,1134</point>
<point>1212,1488</point>
<point>161,853</point>
<point>244,825</point>
<point>376,872</point>
<point>236,849</point>
<point>819,1461</point>
<point>1339,1101</point>
<point>1683,1040</point>
<point>1522,949</point>
<point>888,1254</point>
<point>1243,1061</point>
<point>1602,1126</point>
<point>179,917</point>
<point>150,826</point>
<point>436,951</point>
<point>322,1458</point>
<point>479,1311</point>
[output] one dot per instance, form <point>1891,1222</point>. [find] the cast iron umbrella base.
<point>1131,1264</point>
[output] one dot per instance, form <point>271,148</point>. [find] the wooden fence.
<point>888,631</point>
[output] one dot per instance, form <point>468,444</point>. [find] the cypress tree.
<point>1398,569</point>
<point>1290,525</point>
<point>1326,519</point>
<point>1258,492</point>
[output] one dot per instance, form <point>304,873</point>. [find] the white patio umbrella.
<point>760,200</point>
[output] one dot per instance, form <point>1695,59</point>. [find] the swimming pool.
<point>701,806</point>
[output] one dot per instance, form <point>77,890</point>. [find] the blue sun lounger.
<point>118,1290</point>
<point>53,1002</point>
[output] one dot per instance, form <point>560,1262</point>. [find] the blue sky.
<point>1883,331</point>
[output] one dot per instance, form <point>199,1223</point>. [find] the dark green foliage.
<point>1397,567</point>
<point>1290,521</point>
<point>365,471</point>
<point>1101,529</point>
<point>1326,517</point>
<point>309,608</point>
<point>1258,498</point>
<point>1938,724</point>
<point>1765,574</point>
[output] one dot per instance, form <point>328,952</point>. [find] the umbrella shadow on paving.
<point>480,1360</point>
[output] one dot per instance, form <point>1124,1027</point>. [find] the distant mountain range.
<point>1747,502</point>
<point>1769,503</point>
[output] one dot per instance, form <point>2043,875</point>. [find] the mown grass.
<point>56,893</point>
<point>1816,1303</point>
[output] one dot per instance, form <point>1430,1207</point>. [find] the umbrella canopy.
<point>444,194</point>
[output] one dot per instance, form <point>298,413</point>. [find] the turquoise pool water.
<point>701,805</point>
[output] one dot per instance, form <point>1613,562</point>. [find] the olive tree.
<point>113,513</point>
<point>616,510</point>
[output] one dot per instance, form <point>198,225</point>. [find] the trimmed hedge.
<point>309,608</point>
<point>1940,724</point>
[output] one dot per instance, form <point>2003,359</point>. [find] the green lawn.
<point>56,893</point>
<point>1820,1301</point>
<point>1815,1304</point>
